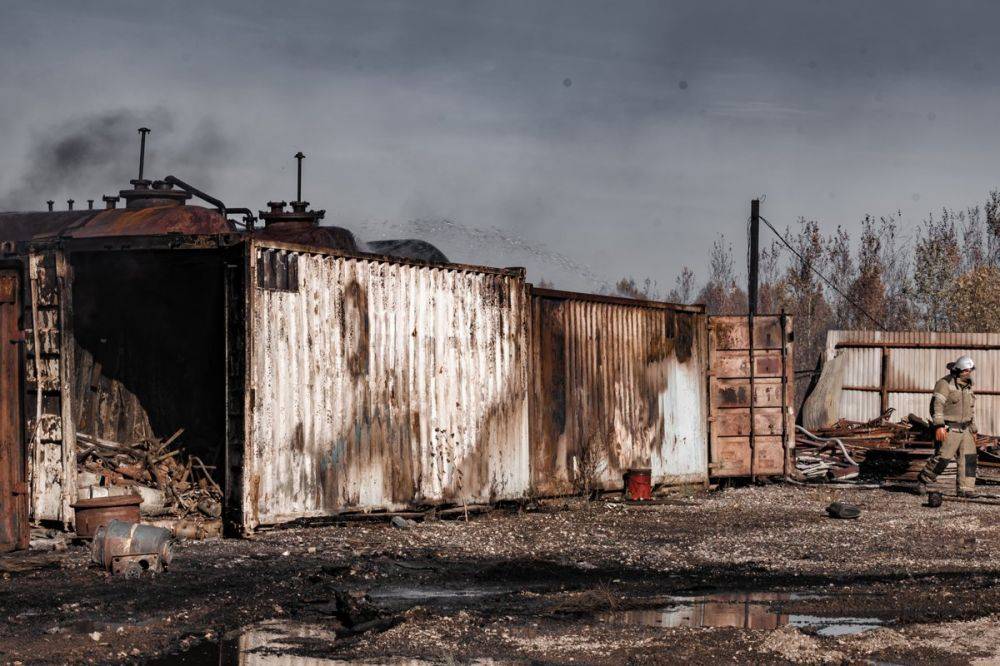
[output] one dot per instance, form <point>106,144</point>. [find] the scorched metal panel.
<point>615,385</point>
<point>380,384</point>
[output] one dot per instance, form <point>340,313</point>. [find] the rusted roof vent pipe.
<point>298,186</point>
<point>51,203</point>
<point>149,194</point>
<point>69,204</point>
<point>248,218</point>
<point>110,202</point>
<point>299,217</point>
<point>90,204</point>
<point>143,131</point>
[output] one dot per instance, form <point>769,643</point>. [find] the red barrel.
<point>638,484</point>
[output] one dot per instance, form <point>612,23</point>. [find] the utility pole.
<point>752,297</point>
<point>754,254</point>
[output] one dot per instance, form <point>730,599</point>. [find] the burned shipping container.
<point>313,379</point>
<point>379,383</point>
<point>616,384</point>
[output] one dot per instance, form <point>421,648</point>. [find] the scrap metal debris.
<point>880,450</point>
<point>131,549</point>
<point>171,483</point>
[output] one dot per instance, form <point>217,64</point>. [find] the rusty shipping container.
<point>742,392</point>
<point>866,373</point>
<point>615,384</point>
<point>374,383</point>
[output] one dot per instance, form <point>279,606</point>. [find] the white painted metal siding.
<point>383,384</point>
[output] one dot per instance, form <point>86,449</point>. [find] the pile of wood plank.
<point>880,450</point>
<point>170,482</point>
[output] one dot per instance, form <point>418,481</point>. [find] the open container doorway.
<point>150,355</point>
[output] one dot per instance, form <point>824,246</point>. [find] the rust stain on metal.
<point>121,539</point>
<point>13,498</point>
<point>616,384</point>
<point>158,220</point>
<point>730,396</point>
<point>153,221</point>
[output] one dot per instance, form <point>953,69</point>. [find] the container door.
<point>750,380</point>
<point>13,497</point>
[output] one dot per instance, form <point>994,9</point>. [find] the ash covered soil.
<point>566,583</point>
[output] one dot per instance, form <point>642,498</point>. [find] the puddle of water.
<point>755,610</point>
<point>417,593</point>
<point>272,643</point>
<point>835,626</point>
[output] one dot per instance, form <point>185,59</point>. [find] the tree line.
<point>941,274</point>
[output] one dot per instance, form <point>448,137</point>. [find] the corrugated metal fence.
<point>898,369</point>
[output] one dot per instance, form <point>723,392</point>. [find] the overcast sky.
<point>584,140</point>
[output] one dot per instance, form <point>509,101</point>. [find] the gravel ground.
<point>569,582</point>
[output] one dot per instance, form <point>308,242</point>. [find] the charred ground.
<point>538,586</point>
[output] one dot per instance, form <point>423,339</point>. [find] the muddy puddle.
<point>273,643</point>
<point>750,610</point>
<point>421,593</point>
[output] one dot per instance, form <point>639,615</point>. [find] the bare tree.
<point>842,270</point>
<point>721,294</point>
<point>991,213</point>
<point>802,293</point>
<point>684,287</point>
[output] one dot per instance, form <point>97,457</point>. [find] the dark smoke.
<point>87,157</point>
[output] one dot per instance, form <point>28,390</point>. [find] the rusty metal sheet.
<point>382,384</point>
<point>158,220</point>
<point>616,384</point>
<point>767,421</point>
<point>50,448</point>
<point>734,449</point>
<point>767,363</point>
<point>29,226</point>
<point>736,392</point>
<point>732,332</point>
<point>731,456</point>
<point>13,499</point>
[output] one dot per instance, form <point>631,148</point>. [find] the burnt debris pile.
<point>174,485</point>
<point>881,450</point>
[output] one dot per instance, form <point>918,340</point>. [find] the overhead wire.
<point>825,279</point>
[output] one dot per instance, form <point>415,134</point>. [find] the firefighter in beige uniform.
<point>953,409</point>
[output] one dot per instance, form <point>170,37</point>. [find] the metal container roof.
<point>158,220</point>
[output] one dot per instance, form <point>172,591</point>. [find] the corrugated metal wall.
<point>898,369</point>
<point>380,384</point>
<point>615,385</point>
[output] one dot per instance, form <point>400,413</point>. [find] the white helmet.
<point>962,363</point>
